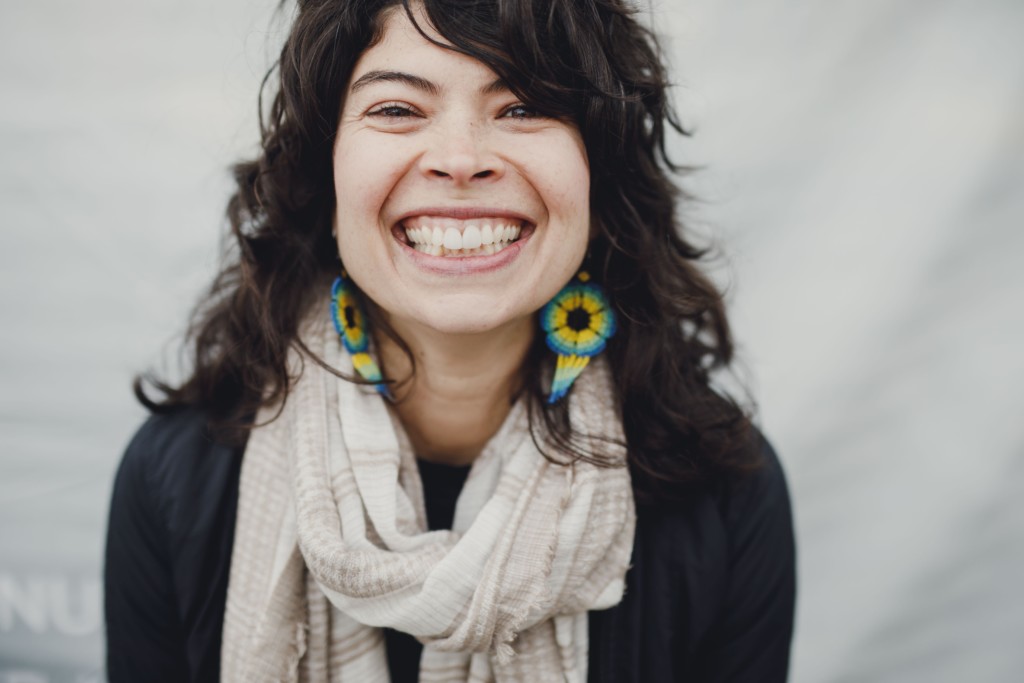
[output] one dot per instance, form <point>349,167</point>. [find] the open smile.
<point>461,241</point>
<point>461,238</point>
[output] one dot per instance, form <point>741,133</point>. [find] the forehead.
<point>403,48</point>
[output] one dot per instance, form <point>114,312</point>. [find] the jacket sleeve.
<point>144,636</point>
<point>751,639</point>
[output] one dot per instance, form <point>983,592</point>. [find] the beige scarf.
<point>331,544</point>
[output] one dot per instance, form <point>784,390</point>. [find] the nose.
<point>461,153</point>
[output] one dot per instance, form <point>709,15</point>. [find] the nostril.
<point>443,174</point>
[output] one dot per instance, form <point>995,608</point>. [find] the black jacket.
<point>709,595</point>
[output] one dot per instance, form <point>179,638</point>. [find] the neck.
<point>463,387</point>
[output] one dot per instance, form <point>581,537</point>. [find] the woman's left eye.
<point>520,111</point>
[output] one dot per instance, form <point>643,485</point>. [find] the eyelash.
<point>530,112</point>
<point>394,110</point>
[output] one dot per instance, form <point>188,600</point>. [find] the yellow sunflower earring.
<point>350,322</point>
<point>578,322</point>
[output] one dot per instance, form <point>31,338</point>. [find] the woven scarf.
<point>331,543</point>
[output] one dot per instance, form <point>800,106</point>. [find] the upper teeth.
<point>455,235</point>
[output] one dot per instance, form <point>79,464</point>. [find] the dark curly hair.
<point>588,61</point>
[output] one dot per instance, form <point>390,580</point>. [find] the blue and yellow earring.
<point>578,322</point>
<point>350,322</point>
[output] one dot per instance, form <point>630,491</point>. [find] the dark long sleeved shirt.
<point>709,594</point>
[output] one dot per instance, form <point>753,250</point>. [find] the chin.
<point>465,316</point>
<point>467,323</point>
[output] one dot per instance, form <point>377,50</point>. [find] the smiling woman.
<point>431,142</point>
<point>489,450</point>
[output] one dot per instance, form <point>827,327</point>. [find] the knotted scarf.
<point>331,542</point>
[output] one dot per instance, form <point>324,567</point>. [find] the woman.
<point>450,417</point>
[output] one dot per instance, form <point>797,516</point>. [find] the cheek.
<point>570,206</point>
<point>358,196</point>
<point>563,177</point>
<point>364,175</point>
<point>367,170</point>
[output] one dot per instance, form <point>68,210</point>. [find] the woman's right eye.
<point>392,110</point>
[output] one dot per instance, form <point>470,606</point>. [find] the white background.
<point>860,169</point>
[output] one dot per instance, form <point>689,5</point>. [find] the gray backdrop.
<point>860,164</point>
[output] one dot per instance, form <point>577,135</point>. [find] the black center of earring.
<point>350,317</point>
<point>578,320</point>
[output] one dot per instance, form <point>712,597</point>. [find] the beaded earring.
<point>578,322</point>
<point>350,322</point>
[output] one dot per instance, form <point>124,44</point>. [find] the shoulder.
<point>757,518</point>
<point>730,540</point>
<point>168,550</point>
<point>709,531</point>
<point>171,446</point>
<point>758,496</point>
<point>174,458</point>
<point>736,504</point>
<point>744,518</point>
<point>165,439</point>
<point>711,589</point>
<point>749,637</point>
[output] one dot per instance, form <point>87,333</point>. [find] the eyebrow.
<point>418,82</point>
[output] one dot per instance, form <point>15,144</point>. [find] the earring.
<point>350,322</point>
<point>578,322</point>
